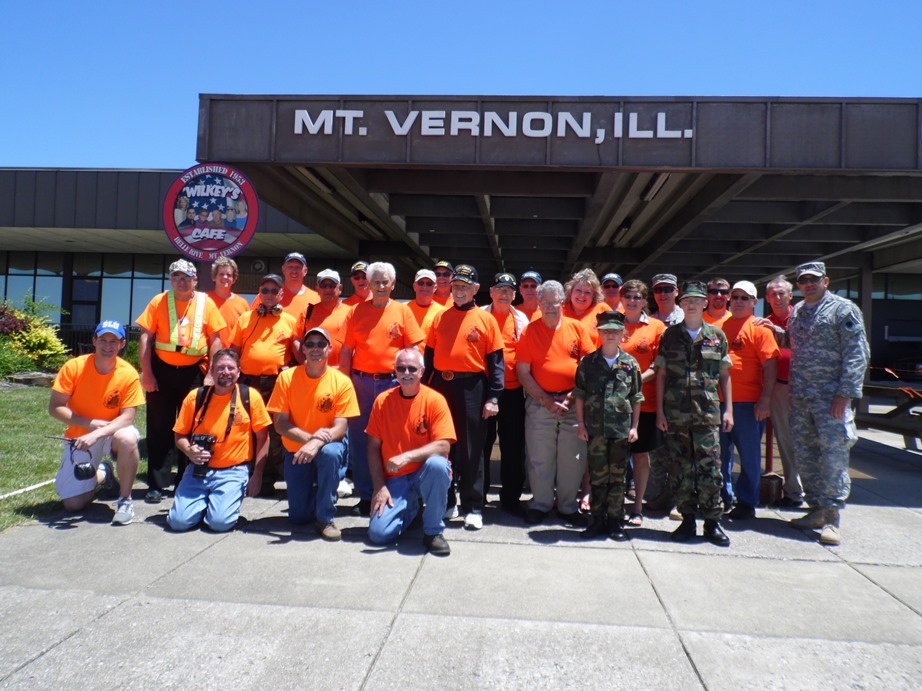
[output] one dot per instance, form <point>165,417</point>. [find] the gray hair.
<point>383,269</point>
<point>413,352</point>
<point>551,289</point>
<point>780,281</point>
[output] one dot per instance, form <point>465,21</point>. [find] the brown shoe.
<point>329,531</point>
<point>811,521</point>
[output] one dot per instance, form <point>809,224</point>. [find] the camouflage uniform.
<point>609,395</point>
<point>692,409</point>
<point>661,474</point>
<point>829,358</point>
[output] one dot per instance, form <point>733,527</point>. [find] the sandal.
<point>635,520</point>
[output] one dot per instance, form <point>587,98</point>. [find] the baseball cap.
<point>811,269</point>
<point>319,330</point>
<point>465,273</point>
<point>181,266</point>
<point>613,277</point>
<point>360,265</point>
<point>504,279</point>
<point>444,264</point>
<point>274,278</point>
<point>747,287</point>
<point>295,256</point>
<point>329,274</point>
<point>609,321</point>
<point>533,275</point>
<point>111,326</point>
<point>692,289</point>
<point>668,278</point>
<point>425,273</point>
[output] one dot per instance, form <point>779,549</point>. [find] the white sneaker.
<point>124,513</point>
<point>451,512</point>
<point>345,488</point>
<point>473,521</point>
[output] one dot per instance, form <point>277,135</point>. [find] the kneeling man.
<point>97,397</point>
<point>410,432</point>
<point>215,431</point>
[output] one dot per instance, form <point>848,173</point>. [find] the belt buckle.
<point>448,375</point>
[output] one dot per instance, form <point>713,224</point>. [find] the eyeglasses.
<point>664,289</point>
<point>609,286</point>
<point>632,297</point>
<point>744,298</point>
<point>402,369</point>
<point>315,344</point>
<point>718,291</point>
<point>808,278</point>
<point>443,274</point>
<point>269,291</point>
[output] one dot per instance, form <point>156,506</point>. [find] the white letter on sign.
<point>303,119</point>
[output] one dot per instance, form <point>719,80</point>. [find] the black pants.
<point>173,384</point>
<point>466,397</point>
<point>510,425</point>
<point>272,472</point>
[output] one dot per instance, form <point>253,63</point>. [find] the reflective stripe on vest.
<point>198,320</point>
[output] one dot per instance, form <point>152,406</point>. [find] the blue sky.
<point>116,84</point>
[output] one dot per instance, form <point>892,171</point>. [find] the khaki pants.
<point>554,453</point>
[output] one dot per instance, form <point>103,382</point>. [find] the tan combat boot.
<point>813,520</point>
<point>830,534</point>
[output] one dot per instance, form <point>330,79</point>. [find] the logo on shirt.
<point>473,335</point>
<point>422,426</point>
<point>281,337</point>
<point>643,346</point>
<point>393,331</point>
<point>573,349</point>
<point>325,404</point>
<point>737,343</point>
<point>113,400</point>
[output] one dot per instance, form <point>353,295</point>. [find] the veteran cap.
<point>444,264</point>
<point>465,273</point>
<point>360,265</point>
<point>504,279</point>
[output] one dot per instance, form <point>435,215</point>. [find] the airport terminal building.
<point>742,188</point>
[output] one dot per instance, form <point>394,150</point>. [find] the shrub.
<point>11,320</point>
<point>131,354</point>
<point>32,341</point>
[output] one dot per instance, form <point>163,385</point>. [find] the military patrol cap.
<point>425,273</point>
<point>666,278</point>
<point>609,321</point>
<point>182,266</point>
<point>360,265</point>
<point>533,275</point>
<point>504,279</point>
<point>317,330</point>
<point>747,287</point>
<point>273,278</point>
<point>444,264</point>
<point>295,256</point>
<point>693,289</point>
<point>613,277</point>
<point>811,269</point>
<point>329,274</point>
<point>465,273</point>
<point>111,326</point>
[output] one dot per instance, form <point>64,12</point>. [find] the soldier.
<point>691,362</point>
<point>608,397</point>
<point>829,359</point>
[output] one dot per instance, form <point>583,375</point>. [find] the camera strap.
<point>203,398</point>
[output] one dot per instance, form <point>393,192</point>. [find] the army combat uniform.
<point>829,358</point>
<point>692,409</point>
<point>609,395</point>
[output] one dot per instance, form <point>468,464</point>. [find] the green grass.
<point>27,458</point>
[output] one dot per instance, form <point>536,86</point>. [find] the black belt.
<point>559,394</point>
<point>448,375</point>
<point>781,381</point>
<point>377,376</point>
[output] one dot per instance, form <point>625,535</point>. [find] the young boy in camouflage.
<point>692,362</point>
<point>608,396</point>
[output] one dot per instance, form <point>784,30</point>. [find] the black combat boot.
<point>686,530</point>
<point>714,534</point>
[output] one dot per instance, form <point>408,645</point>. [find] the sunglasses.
<point>609,285</point>
<point>718,291</point>
<point>632,296</point>
<point>744,298</point>
<point>269,291</point>
<point>664,289</point>
<point>425,284</point>
<point>443,274</point>
<point>402,369</point>
<point>808,278</point>
<point>315,344</point>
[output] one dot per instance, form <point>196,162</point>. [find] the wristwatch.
<point>494,400</point>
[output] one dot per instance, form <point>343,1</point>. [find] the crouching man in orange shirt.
<point>410,432</point>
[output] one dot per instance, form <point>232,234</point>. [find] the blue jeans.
<point>746,436</point>
<point>431,483</point>
<point>312,486</point>
<point>367,390</point>
<point>216,497</point>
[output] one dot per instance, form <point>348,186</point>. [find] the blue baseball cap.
<point>533,275</point>
<point>111,327</point>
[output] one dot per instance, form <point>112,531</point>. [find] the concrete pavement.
<point>84,604</point>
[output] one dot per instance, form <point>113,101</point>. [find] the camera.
<point>206,442</point>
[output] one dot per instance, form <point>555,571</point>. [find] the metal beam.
<point>470,182</point>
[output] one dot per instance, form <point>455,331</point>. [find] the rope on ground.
<point>26,489</point>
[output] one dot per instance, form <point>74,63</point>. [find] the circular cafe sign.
<point>210,211</point>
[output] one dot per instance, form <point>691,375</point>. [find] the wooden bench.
<point>902,419</point>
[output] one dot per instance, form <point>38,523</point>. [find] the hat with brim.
<point>504,280</point>
<point>317,330</point>
<point>329,275</point>
<point>273,278</point>
<point>609,321</point>
<point>425,273</point>
<point>295,256</point>
<point>465,273</point>
<point>693,289</point>
<point>110,326</point>
<point>811,269</point>
<point>182,266</point>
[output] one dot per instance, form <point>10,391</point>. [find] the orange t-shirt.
<point>376,334</point>
<point>156,319</point>
<point>313,403</point>
<point>461,339</point>
<point>588,319</point>
<point>264,342</point>
<point>98,396</point>
<point>295,305</point>
<point>749,345</point>
<point>333,319</point>
<point>237,448</point>
<point>446,302</point>
<point>554,354</point>
<point>425,315</point>
<point>230,310</point>
<point>716,321</point>
<point>533,315</point>
<point>403,424</point>
<point>506,323</point>
<point>354,299</point>
<point>641,341</point>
